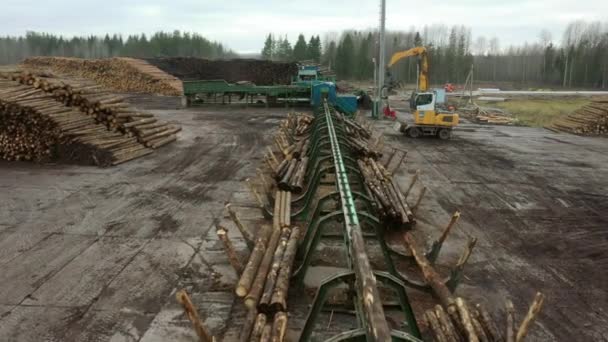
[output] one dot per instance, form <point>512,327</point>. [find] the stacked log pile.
<point>293,144</point>
<point>76,121</point>
<point>257,71</point>
<point>487,115</point>
<point>389,199</point>
<point>120,74</point>
<point>591,119</point>
<point>359,138</point>
<point>107,108</point>
<point>264,282</point>
<point>35,127</point>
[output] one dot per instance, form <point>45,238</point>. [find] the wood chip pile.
<point>46,119</point>
<point>257,71</point>
<point>591,119</point>
<point>120,74</point>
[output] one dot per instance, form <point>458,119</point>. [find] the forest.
<point>578,59</point>
<point>161,44</point>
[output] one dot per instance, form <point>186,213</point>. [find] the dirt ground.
<point>89,254</point>
<point>538,203</point>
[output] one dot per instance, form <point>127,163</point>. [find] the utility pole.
<point>375,75</point>
<point>382,60</point>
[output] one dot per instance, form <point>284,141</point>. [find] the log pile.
<point>107,108</point>
<point>293,143</point>
<point>456,320</point>
<point>74,121</point>
<point>35,127</point>
<point>591,119</point>
<point>390,201</point>
<point>359,137</point>
<point>487,115</point>
<point>264,283</point>
<point>119,74</point>
<point>494,119</point>
<point>257,71</point>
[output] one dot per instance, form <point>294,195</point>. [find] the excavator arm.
<point>423,79</point>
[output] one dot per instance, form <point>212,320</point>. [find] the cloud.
<point>242,25</point>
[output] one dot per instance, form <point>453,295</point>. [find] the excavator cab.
<point>423,101</point>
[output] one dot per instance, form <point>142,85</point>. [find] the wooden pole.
<point>422,193</point>
<point>412,183</point>
<point>535,308</point>
<point>247,235</point>
<point>271,278</point>
<point>279,327</point>
<point>465,317</point>
<point>258,327</point>
<point>255,258</point>
<point>222,234</point>
<point>448,228</point>
<point>510,333</point>
<point>279,294</point>
<point>202,332</point>
<point>253,297</point>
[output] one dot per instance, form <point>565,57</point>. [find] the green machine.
<point>309,87</point>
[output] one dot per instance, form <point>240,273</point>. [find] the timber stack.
<point>35,127</point>
<point>119,73</point>
<point>591,119</point>
<point>107,108</point>
<point>77,121</point>
<point>391,202</point>
<point>264,282</point>
<point>290,172</point>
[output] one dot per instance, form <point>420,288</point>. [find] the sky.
<point>242,25</point>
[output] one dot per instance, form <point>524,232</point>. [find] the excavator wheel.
<point>414,132</point>
<point>444,134</point>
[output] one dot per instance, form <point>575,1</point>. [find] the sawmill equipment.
<point>328,183</point>
<point>429,120</point>
<point>310,86</point>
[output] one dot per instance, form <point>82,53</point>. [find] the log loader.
<point>428,119</point>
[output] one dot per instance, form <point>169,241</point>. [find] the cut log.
<point>264,303</point>
<point>279,294</point>
<point>222,234</point>
<point>255,258</point>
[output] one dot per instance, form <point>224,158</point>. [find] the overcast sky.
<point>242,25</point>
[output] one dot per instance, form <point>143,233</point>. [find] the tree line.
<point>161,44</point>
<point>579,59</point>
<point>280,49</point>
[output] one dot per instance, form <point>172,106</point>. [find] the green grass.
<point>538,112</point>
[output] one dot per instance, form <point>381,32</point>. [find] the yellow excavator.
<point>428,119</point>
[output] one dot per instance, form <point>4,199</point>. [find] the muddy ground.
<point>89,254</point>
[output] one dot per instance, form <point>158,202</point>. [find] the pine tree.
<point>300,49</point>
<point>267,50</point>
<point>417,39</point>
<point>314,49</point>
<point>284,50</point>
<point>451,56</point>
<point>329,58</point>
<point>365,66</point>
<point>345,57</point>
